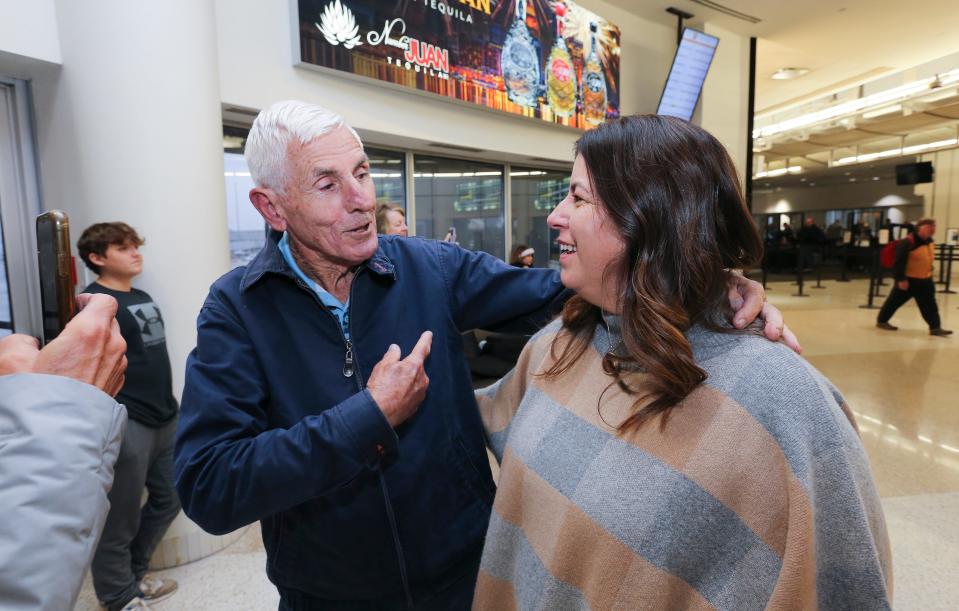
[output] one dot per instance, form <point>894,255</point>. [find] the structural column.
<point>129,129</point>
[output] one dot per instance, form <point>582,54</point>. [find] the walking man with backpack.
<point>912,267</point>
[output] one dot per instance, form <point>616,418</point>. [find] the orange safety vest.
<point>919,264</point>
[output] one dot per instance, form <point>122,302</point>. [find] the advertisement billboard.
<point>550,60</point>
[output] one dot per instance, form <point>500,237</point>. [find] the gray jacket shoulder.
<point>59,440</point>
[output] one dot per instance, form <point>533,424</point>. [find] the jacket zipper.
<point>348,362</point>
<point>350,371</point>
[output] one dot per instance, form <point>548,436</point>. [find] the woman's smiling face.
<point>589,243</point>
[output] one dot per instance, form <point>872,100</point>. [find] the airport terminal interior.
<point>842,119</point>
<point>902,388</point>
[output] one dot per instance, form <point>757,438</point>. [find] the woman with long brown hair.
<point>652,456</point>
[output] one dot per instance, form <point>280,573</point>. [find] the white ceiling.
<point>842,42</point>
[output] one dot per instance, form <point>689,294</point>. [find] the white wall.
<point>256,68</point>
<point>852,195</point>
<point>28,28</point>
<point>942,195</point>
<point>725,109</point>
<point>938,199</point>
<point>130,130</point>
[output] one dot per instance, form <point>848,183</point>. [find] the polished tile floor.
<point>904,388</point>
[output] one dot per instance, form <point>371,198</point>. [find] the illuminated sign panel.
<point>685,82</point>
<point>553,61</point>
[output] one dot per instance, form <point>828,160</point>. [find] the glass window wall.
<point>388,170</point>
<point>534,193</point>
<point>465,196</point>
<point>247,229</point>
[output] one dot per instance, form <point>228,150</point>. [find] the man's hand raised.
<point>399,386</point>
<point>90,349</point>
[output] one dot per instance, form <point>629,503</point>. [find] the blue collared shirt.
<point>340,310</point>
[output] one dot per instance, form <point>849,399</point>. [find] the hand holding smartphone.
<point>57,300</point>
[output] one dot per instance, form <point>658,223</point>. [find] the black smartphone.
<point>57,300</point>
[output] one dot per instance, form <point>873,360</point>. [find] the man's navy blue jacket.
<point>272,429</point>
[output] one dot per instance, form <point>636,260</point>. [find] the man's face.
<point>328,207</point>
<point>120,261</point>
<point>926,231</point>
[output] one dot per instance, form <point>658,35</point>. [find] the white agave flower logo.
<point>338,25</point>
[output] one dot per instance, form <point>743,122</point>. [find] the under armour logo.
<point>150,321</point>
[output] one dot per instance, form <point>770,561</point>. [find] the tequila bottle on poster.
<point>594,84</point>
<point>519,62</point>
<point>560,75</point>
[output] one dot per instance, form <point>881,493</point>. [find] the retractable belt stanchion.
<point>799,278</point>
<point>822,257</point>
<point>845,263</point>
<point>873,286</point>
<point>941,257</point>
<point>880,271</point>
<point>948,254</point>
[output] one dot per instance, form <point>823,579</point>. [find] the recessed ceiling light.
<point>803,179</point>
<point>875,178</point>
<point>785,74</point>
<point>853,179</point>
<point>812,184</point>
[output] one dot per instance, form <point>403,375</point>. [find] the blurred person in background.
<point>810,237</point>
<point>522,256</point>
<point>391,220</point>
<point>915,256</point>
<point>834,232</point>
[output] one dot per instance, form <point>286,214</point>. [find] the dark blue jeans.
<point>132,533</point>
<point>924,291</point>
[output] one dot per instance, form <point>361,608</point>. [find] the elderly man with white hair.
<point>328,396</point>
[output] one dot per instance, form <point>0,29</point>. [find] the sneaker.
<point>155,589</point>
<point>887,326</point>
<point>940,332</point>
<point>137,604</point>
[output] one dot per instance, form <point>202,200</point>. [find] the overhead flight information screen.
<point>685,81</point>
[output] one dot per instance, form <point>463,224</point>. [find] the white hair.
<point>273,131</point>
